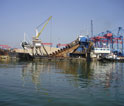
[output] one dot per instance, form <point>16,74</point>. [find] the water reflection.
<point>76,73</point>
<point>62,82</point>
<point>108,74</point>
<point>33,70</point>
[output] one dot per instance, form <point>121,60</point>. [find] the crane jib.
<point>43,27</point>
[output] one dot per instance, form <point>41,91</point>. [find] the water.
<point>61,83</point>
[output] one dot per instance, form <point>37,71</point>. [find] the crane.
<point>38,43</point>
<point>46,22</point>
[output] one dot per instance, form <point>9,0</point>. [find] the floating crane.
<point>37,44</point>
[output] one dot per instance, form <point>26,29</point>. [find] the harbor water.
<point>61,83</point>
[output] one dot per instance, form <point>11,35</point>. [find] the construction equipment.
<point>46,22</point>
<point>72,48</point>
<point>66,50</point>
<point>37,46</point>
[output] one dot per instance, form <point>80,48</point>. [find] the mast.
<point>91,28</point>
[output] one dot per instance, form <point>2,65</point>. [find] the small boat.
<point>110,57</point>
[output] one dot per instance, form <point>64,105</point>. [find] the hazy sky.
<point>69,19</point>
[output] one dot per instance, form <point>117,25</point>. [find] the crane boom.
<point>43,27</point>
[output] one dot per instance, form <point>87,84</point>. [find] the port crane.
<point>37,46</point>
<point>110,39</point>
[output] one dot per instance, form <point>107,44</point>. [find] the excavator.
<point>36,42</point>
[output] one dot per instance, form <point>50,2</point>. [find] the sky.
<point>70,18</point>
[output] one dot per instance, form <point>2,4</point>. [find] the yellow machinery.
<point>37,46</point>
<point>38,34</point>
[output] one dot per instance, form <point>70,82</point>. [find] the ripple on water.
<point>61,83</point>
